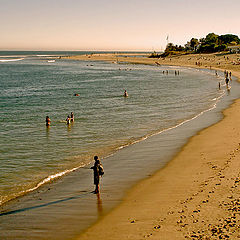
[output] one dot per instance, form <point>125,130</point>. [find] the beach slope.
<point>195,196</point>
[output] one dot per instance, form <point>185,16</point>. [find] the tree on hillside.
<point>211,38</point>
<point>202,40</point>
<point>228,39</point>
<point>211,43</point>
<point>207,48</point>
<point>170,47</point>
<point>194,43</point>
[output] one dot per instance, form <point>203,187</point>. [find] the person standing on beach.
<point>97,172</point>
<point>48,121</point>
<point>125,93</point>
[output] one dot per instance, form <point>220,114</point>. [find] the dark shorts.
<point>96,180</point>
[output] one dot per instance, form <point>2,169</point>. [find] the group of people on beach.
<point>228,76</point>
<point>198,63</point>
<point>69,119</point>
<point>176,72</point>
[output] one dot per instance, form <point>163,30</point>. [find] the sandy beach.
<point>152,88</point>
<point>196,195</point>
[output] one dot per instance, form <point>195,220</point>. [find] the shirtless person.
<point>48,121</point>
<point>72,117</point>
<point>68,120</point>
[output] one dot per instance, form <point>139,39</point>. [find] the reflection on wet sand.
<point>99,204</point>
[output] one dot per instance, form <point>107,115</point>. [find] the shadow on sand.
<point>45,204</point>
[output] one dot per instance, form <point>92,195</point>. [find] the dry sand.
<point>196,195</point>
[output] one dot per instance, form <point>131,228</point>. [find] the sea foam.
<point>11,60</point>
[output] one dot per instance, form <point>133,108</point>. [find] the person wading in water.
<point>48,121</point>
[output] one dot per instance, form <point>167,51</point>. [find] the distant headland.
<point>210,44</point>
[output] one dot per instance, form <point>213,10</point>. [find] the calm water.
<point>32,88</point>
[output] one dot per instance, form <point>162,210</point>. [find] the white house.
<point>234,49</point>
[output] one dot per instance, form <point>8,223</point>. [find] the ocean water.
<point>36,84</point>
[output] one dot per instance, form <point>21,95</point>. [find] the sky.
<point>141,25</point>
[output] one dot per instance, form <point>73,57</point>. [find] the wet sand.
<point>196,195</point>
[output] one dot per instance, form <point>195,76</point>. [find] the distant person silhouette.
<point>72,117</point>
<point>97,172</point>
<point>68,120</point>
<point>48,121</point>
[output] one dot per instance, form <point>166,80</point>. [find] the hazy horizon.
<point>133,25</point>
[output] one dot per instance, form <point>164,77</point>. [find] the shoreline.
<point>58,175</point>
<point>187,198</point>
<point>213,61</point>
<point>69,202</point>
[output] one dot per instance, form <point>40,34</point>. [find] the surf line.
<point>11,60</point>
<point>44,181</point>
<point>178,125</point>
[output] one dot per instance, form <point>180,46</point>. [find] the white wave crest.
<point>11,60</point>
<point>51,178</point>
<point>44,181</point>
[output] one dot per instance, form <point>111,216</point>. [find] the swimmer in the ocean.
<point>68,119</point>
<point>72,117</point>
<point>48,121</point>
